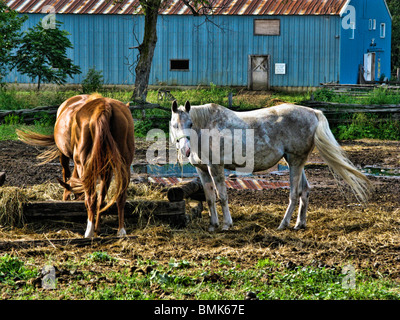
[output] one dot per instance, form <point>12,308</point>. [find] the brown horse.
<point>98,135</point>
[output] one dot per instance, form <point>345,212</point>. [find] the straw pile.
<point>12,199</point>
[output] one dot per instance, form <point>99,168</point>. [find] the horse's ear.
<point>187,106</point>
<point>174,106</point>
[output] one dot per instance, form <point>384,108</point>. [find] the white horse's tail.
<point>337,160</point>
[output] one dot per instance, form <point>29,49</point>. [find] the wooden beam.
<point>63,209</point>
<point>192,189</point>
<point>79,242</point>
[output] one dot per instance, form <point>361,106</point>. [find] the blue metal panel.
<point>218,51</point>
<point>352,50</point>
<point>100,41</point>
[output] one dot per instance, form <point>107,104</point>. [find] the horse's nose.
<point>187,152</point>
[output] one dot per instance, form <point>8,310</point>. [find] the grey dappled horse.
<point>214,137</point>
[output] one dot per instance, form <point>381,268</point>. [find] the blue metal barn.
<point>257,44</point>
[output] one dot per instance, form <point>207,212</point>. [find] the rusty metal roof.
<point>176,7</point>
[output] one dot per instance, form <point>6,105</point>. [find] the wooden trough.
<point>172,212</point>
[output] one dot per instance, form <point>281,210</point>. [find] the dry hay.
<point>12,199</point>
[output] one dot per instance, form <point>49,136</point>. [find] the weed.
<point>100,256</point>
<point>13,269</point>
<point>12,119</point>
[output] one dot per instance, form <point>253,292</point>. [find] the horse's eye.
<point>190,125</point>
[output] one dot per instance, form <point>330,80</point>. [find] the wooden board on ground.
<point>173,212</point>
<point>78,242</point>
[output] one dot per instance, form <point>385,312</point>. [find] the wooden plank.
<point>79,242</point>
<point>191,189</point>
<point>62,209</point>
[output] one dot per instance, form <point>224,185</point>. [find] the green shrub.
<point>93,81</point>
<point>366,125</point>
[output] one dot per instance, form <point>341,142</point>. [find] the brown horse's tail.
<point>37,139</point>
<point>104,159</point>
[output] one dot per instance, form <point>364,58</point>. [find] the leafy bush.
<point>93,81</point>
<point>324,94</point>
<point>365,125</point>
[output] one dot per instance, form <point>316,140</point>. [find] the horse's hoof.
<point>226,227</point>
<point>211,228</point>
<point>282,227</point>
<point>299,227</point>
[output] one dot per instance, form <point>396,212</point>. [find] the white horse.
<point>268,134</point>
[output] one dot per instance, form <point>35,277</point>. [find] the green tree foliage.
<point>394,7</point>
<point>10,36</point>
<point>43,55</point>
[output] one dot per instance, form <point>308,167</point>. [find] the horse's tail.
<point>105,157</point>
<point>37,139</point>
<point>337,160</point>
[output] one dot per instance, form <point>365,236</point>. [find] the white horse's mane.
<point>202,115</point>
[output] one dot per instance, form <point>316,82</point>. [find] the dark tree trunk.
<point>146,49</point>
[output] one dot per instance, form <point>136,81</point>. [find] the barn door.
<point>369,66</point>
<point>258,72</point>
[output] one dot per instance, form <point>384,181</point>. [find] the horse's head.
<point>181,125</point>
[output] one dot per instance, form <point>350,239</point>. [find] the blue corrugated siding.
<point>352,50</point>
<point>309,45</point>
<point>102,42</point>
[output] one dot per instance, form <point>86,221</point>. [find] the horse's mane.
<point>202,115</point>
<point>94,96</point>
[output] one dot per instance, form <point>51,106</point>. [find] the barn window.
<point>264,27</point>
<point>383,30</point>
<point>179,65</point>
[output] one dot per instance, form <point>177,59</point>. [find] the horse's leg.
<point>211,198</point>
<point>296,169</point>
<point>91,204</point>
<point>121,211</point>
<point>66,173</point>
<point>304,192</point>
<point>217,174</point>
<point>105,181</point>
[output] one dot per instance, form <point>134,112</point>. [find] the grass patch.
<point>376,96</point>
<point>13,269</point>
<point>367,125</point>
<point>7,131</point>
<point>361,125</point>
<point>181,279</point>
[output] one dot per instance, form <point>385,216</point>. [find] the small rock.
<point>251,296</point>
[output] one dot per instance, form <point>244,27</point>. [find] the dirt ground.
<point>339,229</point>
